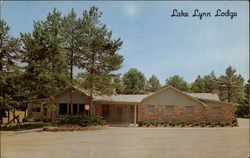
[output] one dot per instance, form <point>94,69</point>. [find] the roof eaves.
<point>217,101</point>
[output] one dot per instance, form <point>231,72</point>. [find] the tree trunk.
<point>71,81</point>
<point>25,112</point>
<point>14,115</point>
<point>1,115</point>
<point>8,115</point>
<point>229,93</point>
<point>92,106</point>
<point>53,90</point>
<point>1,90</point>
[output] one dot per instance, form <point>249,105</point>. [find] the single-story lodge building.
<point>168,104</point>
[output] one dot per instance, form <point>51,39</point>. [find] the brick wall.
<point>98,110</point>
<point>200,114</point>
<point>36,115</point>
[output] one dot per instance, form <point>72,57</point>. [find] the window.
<point>62,109</point>
<point>189,110</point>
<point>216,111</point>
<point>150,109</point>
<point>36,109</point>
<point>169,110</point>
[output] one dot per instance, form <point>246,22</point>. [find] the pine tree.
<point>177,82</point>
<point>119,87</point>
<point>73,34</point>
<point>9,54</point>
<point>46,66</point>
<point>211,82</point>
<point>199,85</point>
<point>231,86</point>
<point>100,57</point>
<point>153,84</point>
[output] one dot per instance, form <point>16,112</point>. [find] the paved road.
<point>125,142</point>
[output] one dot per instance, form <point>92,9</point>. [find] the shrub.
<point>188,123</point>
<point>82,121</point>
<point>46,119</point>
<point>166,122</point>
<point>196,123</point>
<point>228,124</point>
<point>182,124</point>
<point>25,119</point>
<point>217,123</point>
<point>172,124</point>
<point>234,123</point>
<point>213,124</point>
<point>152,123</point>
<point>208,123</point>
<point>37,119</point>
<point>247,116</point>
<point>141,123</point>
<point>222,124</point>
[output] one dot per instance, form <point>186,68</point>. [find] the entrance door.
<point>119,114</point>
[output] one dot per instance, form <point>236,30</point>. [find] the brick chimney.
<point>215,91</point>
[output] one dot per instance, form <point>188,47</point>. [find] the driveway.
<point>127,142</point>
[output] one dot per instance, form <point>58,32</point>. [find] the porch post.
<point>135,114</point>
<point>71,109</point>
<point>67,109</point>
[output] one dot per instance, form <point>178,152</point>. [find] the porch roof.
<point>120,98</point>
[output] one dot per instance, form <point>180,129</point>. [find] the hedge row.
<point>82,121</point>
<point>184,123</point>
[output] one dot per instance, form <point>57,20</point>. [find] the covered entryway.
<point>119,114</point>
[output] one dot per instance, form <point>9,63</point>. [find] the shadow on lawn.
<point>25,125</point>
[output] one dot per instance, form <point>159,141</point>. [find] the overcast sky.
<point>154,42</point>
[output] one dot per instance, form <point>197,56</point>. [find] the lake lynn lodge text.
<point>197,13</point>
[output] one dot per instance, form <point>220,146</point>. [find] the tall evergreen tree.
<point>231,86</point>
<point>100,58</point>
<point>153,84</point>
<point>242,110</point>
<point>199,85</point>
<point>9,54</point>
<point>211,82</point>
<point>45,58</point>
<point>177,82</point>
<point>73,35</point>
<point>134,82</point>
<point>119,87</point>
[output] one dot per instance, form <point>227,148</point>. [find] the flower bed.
<point>73,128</point>
<point>78,124</point>
<point>187,124</point>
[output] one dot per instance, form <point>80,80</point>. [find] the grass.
<point>25,125</point>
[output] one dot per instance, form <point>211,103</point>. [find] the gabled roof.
<point>177,90</point>
<point>200,98</point>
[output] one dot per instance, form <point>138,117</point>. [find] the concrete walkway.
<point>129,142</point>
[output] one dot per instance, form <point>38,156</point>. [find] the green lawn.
<point>25,125</point>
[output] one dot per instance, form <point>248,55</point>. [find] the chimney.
<point>215,91</point>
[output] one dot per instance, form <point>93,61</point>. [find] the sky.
<point>154,42</point>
